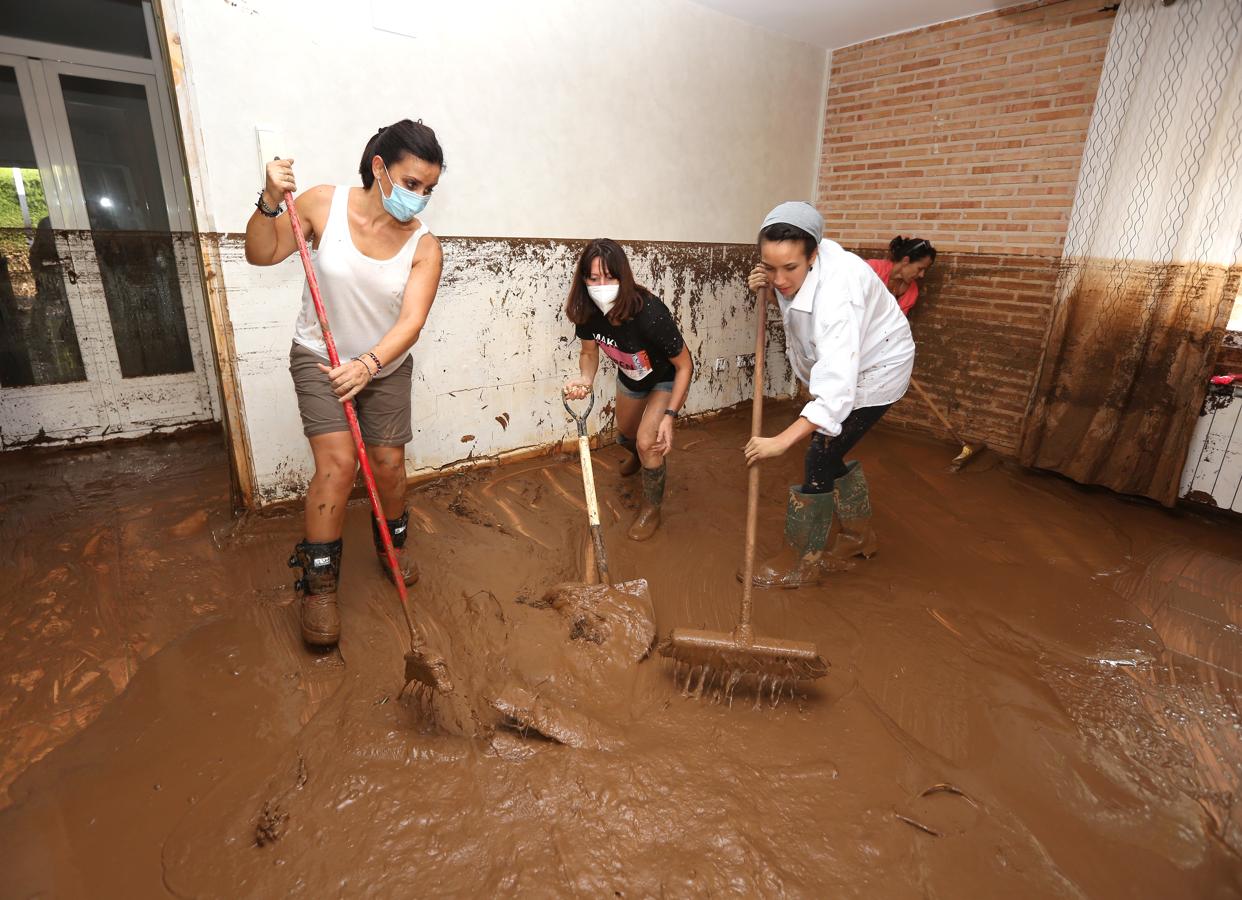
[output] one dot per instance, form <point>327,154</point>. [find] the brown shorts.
<point>383,405</point>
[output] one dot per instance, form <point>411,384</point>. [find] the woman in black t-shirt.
<point>637,332</point>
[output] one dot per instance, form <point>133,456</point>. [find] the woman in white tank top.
<point>378,268</point>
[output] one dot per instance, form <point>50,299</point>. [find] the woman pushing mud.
<point>849,343</point>
<point>636,331</point>
<point>378,268</point>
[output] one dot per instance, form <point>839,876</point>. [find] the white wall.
<point>648,119</point>
<point>652,121</point>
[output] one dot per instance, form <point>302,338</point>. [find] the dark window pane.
<point>143,290</point>
<point>114,26</point>
<point>38,343</point>
<point>111,128</point>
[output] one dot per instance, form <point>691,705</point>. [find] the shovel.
<point>588,604</point>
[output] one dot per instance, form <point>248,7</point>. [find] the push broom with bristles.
<point>969,451</point>
<point>727,657</point>
<point>423,666</point>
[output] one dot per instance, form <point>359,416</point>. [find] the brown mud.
<point>1034,692</point>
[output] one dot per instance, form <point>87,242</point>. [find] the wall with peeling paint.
<point>657,121</point>
<point>497,347</point>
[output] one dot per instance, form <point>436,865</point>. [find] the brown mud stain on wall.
<point>1131,346</point>
<point>991,693</point>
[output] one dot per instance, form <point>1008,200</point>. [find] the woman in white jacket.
<point>849,343</point>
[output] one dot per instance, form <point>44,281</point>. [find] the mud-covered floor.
<point>1034,693</point>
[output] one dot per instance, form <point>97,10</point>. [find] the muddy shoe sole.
<point>319,639</point>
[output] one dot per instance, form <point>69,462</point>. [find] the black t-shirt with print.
<point>640,346</point>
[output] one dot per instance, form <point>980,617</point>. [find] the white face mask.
<point>604,295</point>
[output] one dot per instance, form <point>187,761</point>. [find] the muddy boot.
<point>632,463</point>
<point>405,562</point>
<point>321,569</point>
<point>648,518</point>
<point>857,537</point>
<point>801,560</point>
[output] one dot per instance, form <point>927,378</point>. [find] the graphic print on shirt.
<point>636,366</point>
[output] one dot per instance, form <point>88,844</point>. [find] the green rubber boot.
<point>857,536</point>
<point>648,518</point>
<point>801,561</point>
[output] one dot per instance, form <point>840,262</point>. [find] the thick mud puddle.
<point>1033,693</point>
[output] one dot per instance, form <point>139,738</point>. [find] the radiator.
<point>1213,473</point>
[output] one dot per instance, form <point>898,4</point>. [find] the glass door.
<point>100,300</point>
<point>137,238</point>
<point>49,374</point>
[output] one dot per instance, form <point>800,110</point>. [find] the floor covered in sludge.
<point>1034,692</point>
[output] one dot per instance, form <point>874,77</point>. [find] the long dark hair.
<point>900,248</point>
<point>630,297</point>
<point>393,142</point>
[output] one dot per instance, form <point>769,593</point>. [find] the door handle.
<point>60,264</point>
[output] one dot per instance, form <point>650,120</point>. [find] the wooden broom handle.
<point>752,493</point>
<point>935,410</point>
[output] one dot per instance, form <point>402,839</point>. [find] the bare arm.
<point>420,293</point>
<point>588,366</point>
<point>684,364</point>
<point>270,241</point>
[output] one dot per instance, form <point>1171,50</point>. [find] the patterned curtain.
<point>1151,261</point>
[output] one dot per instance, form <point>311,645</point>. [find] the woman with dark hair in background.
<point>909,258</point>
<point>636,331</point>
<point>379,269</point>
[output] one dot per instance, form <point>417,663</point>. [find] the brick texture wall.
<point>968,133</point>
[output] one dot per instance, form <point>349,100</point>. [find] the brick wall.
<point>968,133</point>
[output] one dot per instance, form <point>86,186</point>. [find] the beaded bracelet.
<point>379,366</point>
<point>261,206</point>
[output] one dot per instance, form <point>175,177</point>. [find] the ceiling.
<point>840,23</point>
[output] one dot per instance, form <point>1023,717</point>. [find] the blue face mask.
<point>402,204</point>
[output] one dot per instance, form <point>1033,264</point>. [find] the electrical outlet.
<point>746,361</point>
<point>721,364</point>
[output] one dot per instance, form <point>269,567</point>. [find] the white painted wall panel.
<point>650,119</point>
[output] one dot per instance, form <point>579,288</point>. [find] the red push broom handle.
<point>350,414</point>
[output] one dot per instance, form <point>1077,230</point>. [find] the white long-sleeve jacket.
<point>846,338</point>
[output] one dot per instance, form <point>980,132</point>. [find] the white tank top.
<point>361,295</point>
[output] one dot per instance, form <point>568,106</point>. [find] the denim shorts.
<point>642,395</point>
